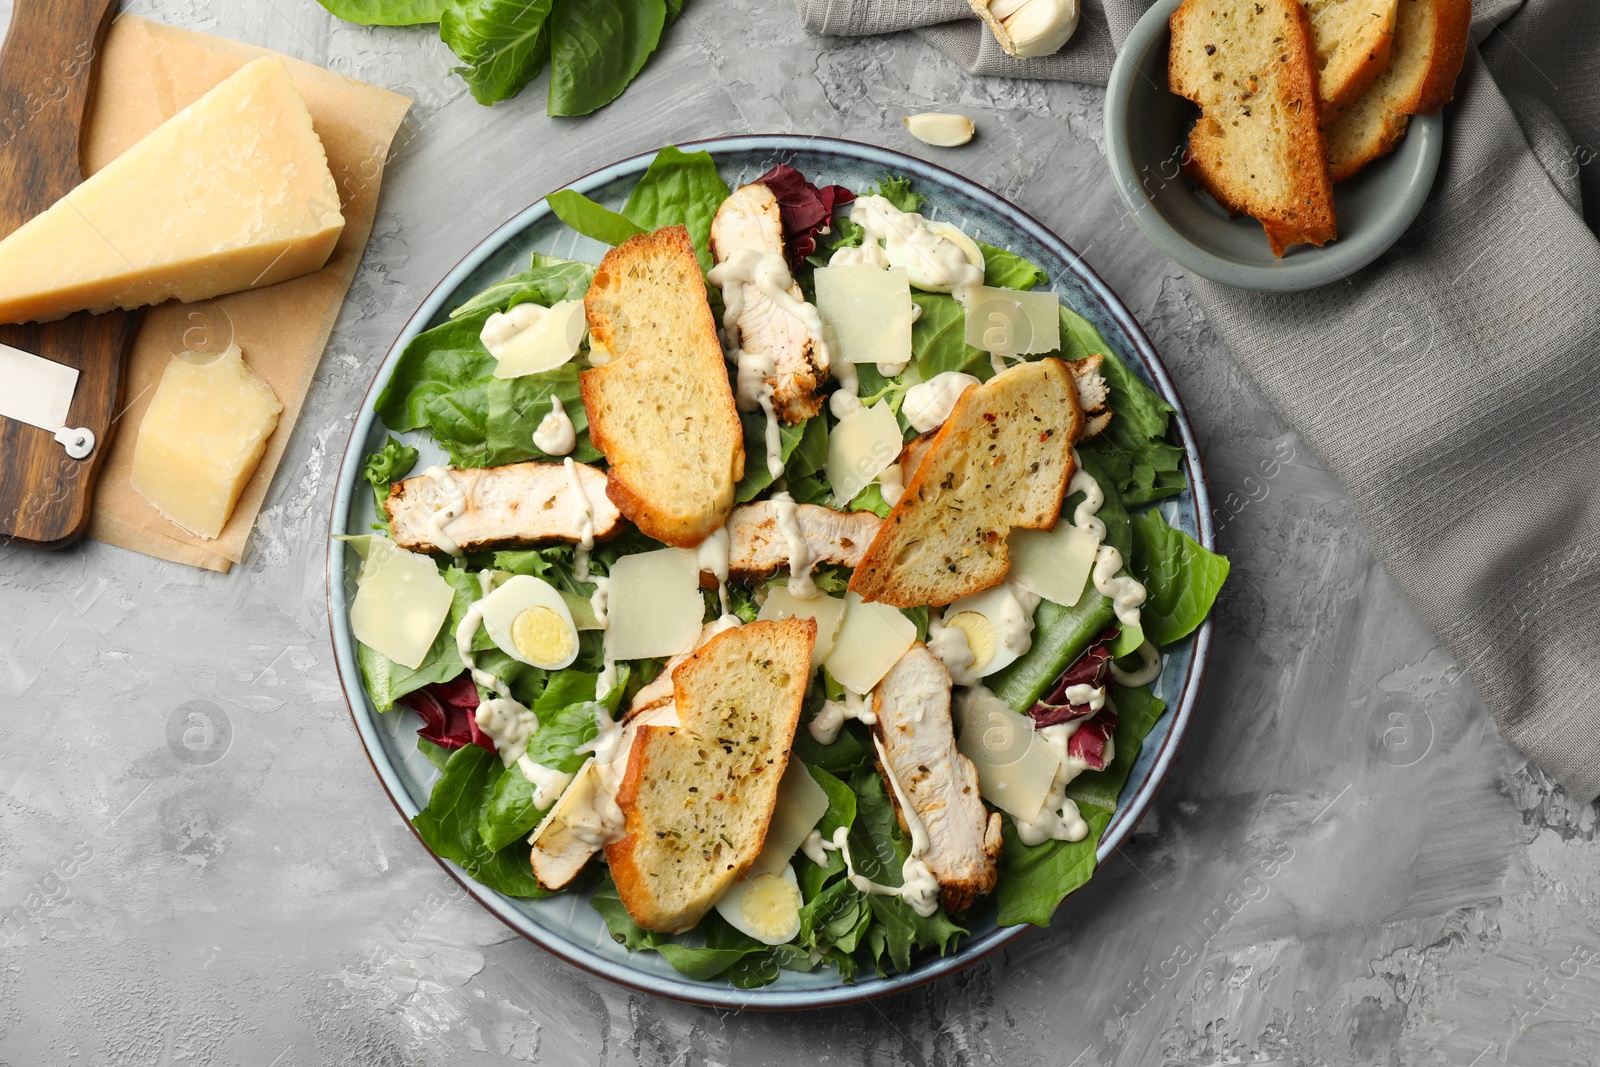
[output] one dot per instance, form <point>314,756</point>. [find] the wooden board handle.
<point>46,65</point>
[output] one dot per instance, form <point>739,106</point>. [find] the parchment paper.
<point>147,73</point>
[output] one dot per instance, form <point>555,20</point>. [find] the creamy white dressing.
<point>509,724</point>
<point>454,505</point>
<point>825,727</point>
<point>501,328</point>
<point>1092,695</point>
<point>949,644</point>
<point>548,783</point>
<point>767,272</point>
<point>815,848</point>
<point>1123,590</point>
<point>1148,671</point>
<point>555,435</point>
<point>844,402</point>
<point>1058,817</point>
<point>713,560</point>
<point>934,261</point>
<point>466,630</point>
<point>801,559</point>
<point>928,404</point>
<point>891,484</point>
<point>866,254</point>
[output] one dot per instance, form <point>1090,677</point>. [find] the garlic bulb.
<point>1029,28</point>
<point>940,129</point>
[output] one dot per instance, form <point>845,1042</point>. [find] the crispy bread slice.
<point>697,799</point>
<point>517,504</point>
<point>662,409</point>
<point>912,706</point>
<point>1257,146</point>
<point>1352,40</point>
<point>750,219</point>
<point>1002,459</point>
<point>1430,44</point>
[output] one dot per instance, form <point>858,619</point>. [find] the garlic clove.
<point>1041,27</point>
<point>940,129</point>
<point>1029,28</point>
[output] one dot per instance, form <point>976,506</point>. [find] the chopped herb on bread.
<point>697,799</point>
<point>662,409</point>
<point>1001,460</point>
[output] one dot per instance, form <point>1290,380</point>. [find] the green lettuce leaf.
<point>1033,880</point>
<point>1007,270</point>
<point>720,948</point>
<point>939,337</point>
<point>548,281</point>
<point>1145,465</point>
<point>592,219</point>
<point>502,44</point>
<point>444,383</point>
<point>388,12</point>
<point>566,711</point>
<point>382,469</point>
<point>597,47</point>
<point>756,475</point>
<point>449,824</point>
<point>1181,577</point>
<point>679,188</point>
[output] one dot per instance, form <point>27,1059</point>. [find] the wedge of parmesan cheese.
<point>401,601</point>
<point>654,604</point>
<point>871,640</point>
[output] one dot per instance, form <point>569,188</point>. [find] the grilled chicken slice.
<point>750,219</point>
<point>513,505</point>
<point>912,704</point>
<point>1092,395</point>
<point>757,546</point>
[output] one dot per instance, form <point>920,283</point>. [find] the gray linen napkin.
<point>1450,385</point>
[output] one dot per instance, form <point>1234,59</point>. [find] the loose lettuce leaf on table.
<point>502,44</point>
<point>1181,577</point>
<point>597,47</point>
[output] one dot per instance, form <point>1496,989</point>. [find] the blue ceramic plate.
<point>565,924</point>
<point>1147,130</point>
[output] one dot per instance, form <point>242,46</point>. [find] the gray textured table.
<point>1348,866</point>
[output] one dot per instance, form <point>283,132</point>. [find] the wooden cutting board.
<point>46,65</point>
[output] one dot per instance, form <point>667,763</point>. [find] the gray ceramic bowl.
<point>1146,131</point>
<point>565,924</point>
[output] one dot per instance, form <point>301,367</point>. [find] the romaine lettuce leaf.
<point>444,383</point>
<point>382,469</point>
<point>1035,879</point>
<point>449,824</point>
<point>1181,577</point>
<point>592,219</point>
<point>722,946</point>
<point>679,188</point>
<point>1007,270</point>
<point>757,477</point>
<point>502,44</point>
<point>597,47</point>
<point>548,281</point>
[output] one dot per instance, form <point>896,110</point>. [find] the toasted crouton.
<point>518,504</point>
<point>697,799</point>
<point>1430,44</point>
<point>661,410</point>
<point>1257,146</point>
<point>1352,40</point>
<point>1001,460</point>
